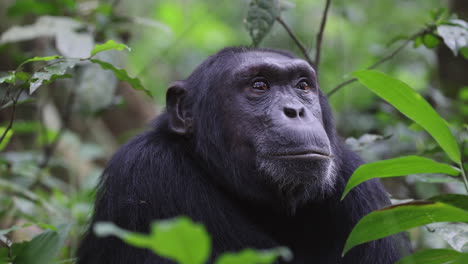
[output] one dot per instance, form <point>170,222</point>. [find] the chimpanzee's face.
<point>273,118</point>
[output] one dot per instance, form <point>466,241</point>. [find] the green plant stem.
<point>463,174</point>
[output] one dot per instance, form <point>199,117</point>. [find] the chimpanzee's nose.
<point>293,112</point>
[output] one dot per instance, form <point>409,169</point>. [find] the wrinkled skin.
<point>247,146</point>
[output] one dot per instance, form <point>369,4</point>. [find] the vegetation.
<point>66,75</point>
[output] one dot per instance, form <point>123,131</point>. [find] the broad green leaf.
<point>411,104</point>
<point>9,78</point>
<point>431,256</point>
<point>7,137</point>
<point>109,45</point>
<point>251,256</point>
<point>463,259</point>
<point>455,35</point>
<point>397,167</point>
<point>51,73</point>
<point>178,239</point>
<point>43,248</point>
<point>457,200</point>
<point>260,18</point>
<point>398,218</point>
<point>122,75</point>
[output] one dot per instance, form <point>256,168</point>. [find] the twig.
<point>12,117</point>
<point>296,40</point>
<point>318,45</point>
<point>379,62</point>
<point>50,148</point>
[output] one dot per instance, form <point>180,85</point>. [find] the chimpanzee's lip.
<point>313,154</point>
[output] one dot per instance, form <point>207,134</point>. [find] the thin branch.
<point>50,148</point>
<point>379,62</point>
<point>318,45</point>
<point>12,117</point>
<point>296,40</point>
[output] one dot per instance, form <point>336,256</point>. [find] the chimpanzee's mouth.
<point>307,154</point>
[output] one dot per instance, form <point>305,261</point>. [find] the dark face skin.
<point>274,119</point>
<point>272,128</point>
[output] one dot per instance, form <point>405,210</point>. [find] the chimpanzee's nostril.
<point>301,112</point>
<point>290,112</point>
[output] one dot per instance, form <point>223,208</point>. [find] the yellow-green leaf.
<point>6,137</point>
<point>109,45</point>
<point>398,218</point>
<point>397,167</point>
<point>178,239</point>
<point>411,104</point>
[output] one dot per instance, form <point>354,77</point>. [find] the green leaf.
<point>260,18</point>
<point>455,34</point>
<point>398,218</point>
<point>430,41</point>
<point>457,200</point>
<point>109,45</point>
<point>25,7</point>
<point>397,167</point>
<point>9,78</point>
<point>44,247</point>
<point>48,58</point>
<point>418,41</point>
<point>250,256</point>
<point>463,259</point>
<point>464,52</point>
<point>51,73</point>
<point>178,239</point>
<point>411,104</point>
<point>431,256</point>
<point>122,75</point>
<point>23,76</point>
<point>7,137</point>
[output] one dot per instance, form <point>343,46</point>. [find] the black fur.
<point>161,174</point>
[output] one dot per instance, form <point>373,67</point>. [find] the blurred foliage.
<point>71,110</point>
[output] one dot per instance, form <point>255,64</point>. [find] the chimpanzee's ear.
<point>180,122</point>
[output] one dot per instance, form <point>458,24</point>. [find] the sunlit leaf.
<point>122,75</point>
<point>455,234</point>
<point>411,104</point>
<point>9,78</point>
<point>398,218</point>
<point>109,45</point>
<point>397,167</point>
<point>260,18</point>
<point>51,73</point>
<point>48,58</point>
<point>250,256</point>
<point>455,35</point>
<point>178,239</point>
<point>431,256</point>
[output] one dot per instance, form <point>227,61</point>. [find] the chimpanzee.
<point>246,146</point>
